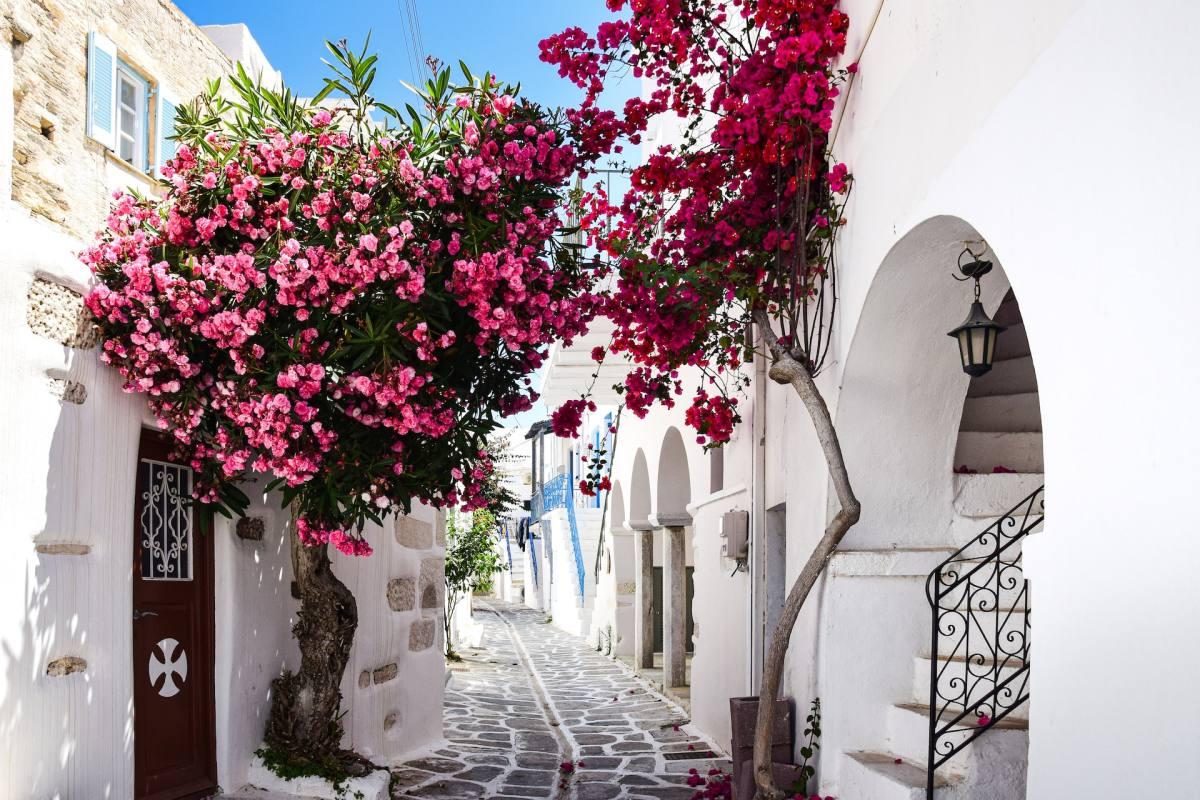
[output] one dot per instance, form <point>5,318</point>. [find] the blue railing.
<point>531,543</point>
<point>559,492</point>
<point>575,545</point>
<point>508,542</point>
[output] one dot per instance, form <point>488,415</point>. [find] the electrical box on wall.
<point>735,535</point>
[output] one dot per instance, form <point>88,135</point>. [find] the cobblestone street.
<point>532,697</point>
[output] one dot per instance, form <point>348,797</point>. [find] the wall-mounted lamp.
<point>978,334</point>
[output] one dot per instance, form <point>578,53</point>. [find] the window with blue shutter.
<point>167,146</point>
<point>101,86</point>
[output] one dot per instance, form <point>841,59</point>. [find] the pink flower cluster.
<point>345,311</point>
<point>723,225</point>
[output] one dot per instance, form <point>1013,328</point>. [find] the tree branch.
<point>786,369</point>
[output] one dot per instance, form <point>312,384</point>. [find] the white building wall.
<point>1017,119</point>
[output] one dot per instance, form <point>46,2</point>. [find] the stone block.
<point>364,679</point>
<point>66,390</point>
<point>414,533</point>
<point>391,720</point>
<point>402,594</point>
<point>433,582</point>
<point>385,673</point>
<point>440,529</point>
<point>422,634</point>
<point>67,665</point>
<point>57,313</point>
<point>63,548</point>
<point>251,529</point>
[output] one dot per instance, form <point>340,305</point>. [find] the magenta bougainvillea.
<point>345,297</point>
<point>738,217</point>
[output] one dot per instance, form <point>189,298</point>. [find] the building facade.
<point>989,126</point>
<point>138,644</point>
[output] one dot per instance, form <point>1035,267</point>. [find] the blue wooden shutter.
<point>166,146</point>
<point>102,90</point>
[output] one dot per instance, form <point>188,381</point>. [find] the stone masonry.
<point>58,173</point>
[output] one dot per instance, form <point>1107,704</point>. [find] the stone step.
<point>885,776</point>
<point>1013,343</point>
<point>908,734</point>
<point>983,626</point>
<point>983,595</point>
<point>1011,376</point>
<point>890,563</point>
<point>956,671</point>
<point>1015,413</point>
<point>987,495</point>
<point>1020,452</point>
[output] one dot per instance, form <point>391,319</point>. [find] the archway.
<point>673,581</point>
<point>907,416</point>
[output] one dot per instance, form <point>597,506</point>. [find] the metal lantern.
<point>977,335</point>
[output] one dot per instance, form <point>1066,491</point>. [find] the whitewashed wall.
<point>1017,122</point>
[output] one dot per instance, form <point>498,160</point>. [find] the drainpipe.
<point>758,516</point>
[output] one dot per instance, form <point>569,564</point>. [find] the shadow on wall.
<point>65,701</point>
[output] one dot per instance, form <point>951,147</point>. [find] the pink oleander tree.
<point>724,244</point>
<point>344,298</point>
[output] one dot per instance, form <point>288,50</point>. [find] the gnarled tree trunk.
<point>787,370</point>
<point>307,704</point>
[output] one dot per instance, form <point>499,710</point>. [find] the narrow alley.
<point>535,713</point>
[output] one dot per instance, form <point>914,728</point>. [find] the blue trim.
<point>100,70</point>
<point>532,543</point>
<point>575,545</point>
<point>147,98</point>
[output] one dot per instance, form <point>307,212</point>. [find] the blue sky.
<point>497,35</point>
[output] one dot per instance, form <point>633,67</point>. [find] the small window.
<point>165,516</point>
<point>131,117</point>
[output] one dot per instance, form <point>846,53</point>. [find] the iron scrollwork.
<point>980,641</point>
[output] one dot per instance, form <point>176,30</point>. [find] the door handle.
<point>139,614</point>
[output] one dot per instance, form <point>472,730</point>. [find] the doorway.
<point>174,719</point>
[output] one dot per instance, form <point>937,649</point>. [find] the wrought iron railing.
<point>980,647</point>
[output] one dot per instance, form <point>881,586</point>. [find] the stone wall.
<point>393,686</point>
<point>58,172</point>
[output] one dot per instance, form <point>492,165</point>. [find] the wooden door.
<point>174,720</point>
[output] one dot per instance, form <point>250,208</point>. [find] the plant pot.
<point>743,715</point>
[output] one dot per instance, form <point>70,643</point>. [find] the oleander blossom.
<point>738,218</point>
<point>344,308</point>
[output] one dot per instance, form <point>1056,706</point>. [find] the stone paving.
<point>532,697</point>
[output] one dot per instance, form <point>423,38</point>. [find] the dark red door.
<point>174,744</point>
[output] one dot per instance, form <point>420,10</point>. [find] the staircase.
<point>976,662</point>
<point>968,711</point>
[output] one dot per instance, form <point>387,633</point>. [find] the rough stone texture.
<point>385,673</point>
<point>57,313</point>
<point>433,582</point>
<point>440,529</point>
<point>414,533</point>
<point>506,739</point>
<point>422,634</point>
<point>63,548</point>
<point>391,720</point>
<point>58,172</point>
<point>251,528</point>
<point>402,594</point>
<point>66,390</point>
<point>364,679</point>
<point>66,665</point>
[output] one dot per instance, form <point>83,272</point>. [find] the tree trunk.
<point>786,369</point>
<point>304,721</point>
